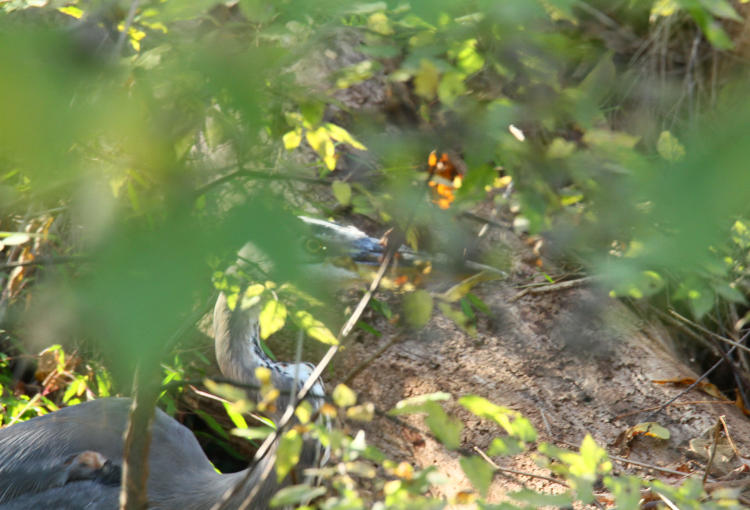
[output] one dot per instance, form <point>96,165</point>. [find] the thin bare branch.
<point>117,51</point>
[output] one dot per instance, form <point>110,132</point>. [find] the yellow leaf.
<point>314,328</point>
<point>342,135</point>
<point>321,142</point>
<point>364,412</point>
<point>663,8</point>
<point>316,138</point>
<point>251,296</point>
<point>272,318</point>
<point>304,412</point>
<point>71,11</point>
<point>292,139</point>
<point>669,147</point>
<point>605,138</point>
<point>464,287</point>
<point>344,396</point>
<point>404,470</point>
<point>263,375</point>
<point>379,23</point>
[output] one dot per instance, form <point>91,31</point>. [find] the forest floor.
<point>570,359</point>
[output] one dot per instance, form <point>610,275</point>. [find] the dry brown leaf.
<point>704,386</point>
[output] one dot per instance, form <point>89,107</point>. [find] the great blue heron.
<point>59,460</point>
<point>68,459</point>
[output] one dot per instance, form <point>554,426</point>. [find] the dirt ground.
<point>572,360</point>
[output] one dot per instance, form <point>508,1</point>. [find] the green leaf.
<point>172,11</point>
<point>417,404</point>
<point>669,147</point>
<point>272,318</point>
<point>75,388</point>
<point>626,490</point>
<point>366,8</point>
<point>601,80</point>
<point>287,455</point>
<point>524,430</point>
<point>417,307</point>
<point>592,461</point>
<point>369,329</point>
<point>252,433</point>
<point>608,139</point>
<point>426,80</point>
<point>560,10</point>
<point>560,148</point>
<point>314,328</point>
<point>312,112</point>
<point>380,51</point>
<point>505,446</point>
<point>712,29</point>
<point>537,499</point>
<point>237,418</point>
<point>445,428</point>
<point>650,428</point>
<point>356,73</point>
<point>342,191</point>
<point>364,412</point>
<point>513,423</point>
<point>379,23</point>
<point>478,303</point>
<point>382,308</point>
<point>730,293</point>
<point>701,301</point>
<point>478,472</point>
<point>295,494</point>
<point>212,423</point>
<point>462,288</point>
<point>451,87</point>
<point>467,58</point>
<point>226,391</point>
<point>467,310</point>
<point>344,396</point>
<point>722,9</point>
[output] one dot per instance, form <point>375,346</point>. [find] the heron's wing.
<point>84,495</point>
<point>31,452</point>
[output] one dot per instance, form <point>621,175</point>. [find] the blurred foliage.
<point>360,476</point>
<point>144,143</point>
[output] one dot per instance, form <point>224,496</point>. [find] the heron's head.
<point>331,240</point>
<point>328,256</point>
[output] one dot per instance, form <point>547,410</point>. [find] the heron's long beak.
<point>348,242</point>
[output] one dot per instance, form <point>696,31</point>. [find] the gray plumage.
<point>36,470</point>
<point>33,453</point>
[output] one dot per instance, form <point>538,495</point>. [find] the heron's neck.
<point>237,342</point>
<point>239,354</point>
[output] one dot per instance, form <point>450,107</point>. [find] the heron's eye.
<point>313,246</point>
